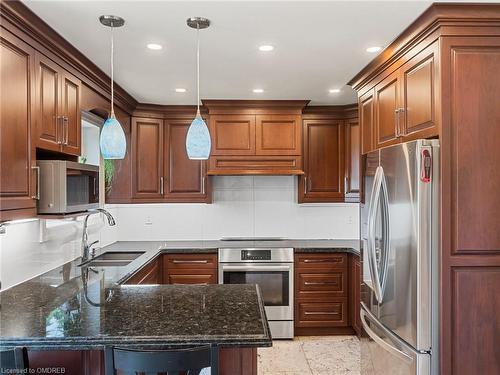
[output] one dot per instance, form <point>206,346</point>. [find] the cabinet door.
<point>352,159</point>
<point>147,154</point>
<point>233,135</point>
<point>49,126</point>
<point>71,115</point>
<point>185,179</point>
<point>278,135</point>
<point>418,95</point>
<point>386,117</point>
<point>366,122</point>
<point>16,156</point>
<point>323,180</point>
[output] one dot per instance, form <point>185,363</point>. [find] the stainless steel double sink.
<point>113,259</point>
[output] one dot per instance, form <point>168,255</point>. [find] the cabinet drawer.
<point>321,260</point>
<point>320,284</point>
<point>190,261</point>
<point>321,314</point>
<point>193,277</point>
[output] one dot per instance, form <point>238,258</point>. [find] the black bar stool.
<point>14,359</point>
<point>172,362</point>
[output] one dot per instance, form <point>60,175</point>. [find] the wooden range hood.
<point>255,137</point>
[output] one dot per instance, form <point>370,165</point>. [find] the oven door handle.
<point>254,268</point>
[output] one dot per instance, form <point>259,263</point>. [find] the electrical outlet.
<point>148,221</point>
<point>349,219</point>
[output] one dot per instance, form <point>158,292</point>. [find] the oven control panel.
<point>255,254</point>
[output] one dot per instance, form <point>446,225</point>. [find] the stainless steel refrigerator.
<point>399,255</point>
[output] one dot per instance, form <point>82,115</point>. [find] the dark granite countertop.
<point>59,310</point>
<point>300,245</point>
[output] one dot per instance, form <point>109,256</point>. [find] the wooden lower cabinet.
<point>322,294</point>
<point>232,361</point>
<point>355,293</point>
<point>149,274</point>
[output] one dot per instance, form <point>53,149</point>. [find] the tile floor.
<point>311,355</point>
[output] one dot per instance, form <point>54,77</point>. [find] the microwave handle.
<point>37,193</point>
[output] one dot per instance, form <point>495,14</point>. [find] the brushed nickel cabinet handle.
<point>346,181</point>
<point>161,185</point>
<point>321,313</point>
<point>320,283</point>
<point>401,111</point>
<point>322,260</point>
<point>59,135</point>
<point>37,194</point>
<point>396,119</point>
<point>305,185</point>
<point>203,185</point>
<point>66,127</point>
<point>189,261</point>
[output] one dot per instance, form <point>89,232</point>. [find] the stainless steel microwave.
<point>67,187</point>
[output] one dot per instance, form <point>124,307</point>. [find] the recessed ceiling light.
<point>333,91</point>
<point>154,46</point>
<point>258,91</point>
<point>266,48</point>
<point>179,89</point>
<point>373,49</point>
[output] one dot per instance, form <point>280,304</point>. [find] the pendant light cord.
<point>198,70</point>
<point>112,74</point>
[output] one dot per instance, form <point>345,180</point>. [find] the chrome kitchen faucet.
<point>85,237</point>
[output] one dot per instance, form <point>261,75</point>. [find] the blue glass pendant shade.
<point>112,141</point>
<point>198,143</point>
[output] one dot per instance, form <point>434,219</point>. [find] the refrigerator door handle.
<point>372,260</point>
<point>366,315</point>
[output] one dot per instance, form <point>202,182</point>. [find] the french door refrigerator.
<point>399,255</point>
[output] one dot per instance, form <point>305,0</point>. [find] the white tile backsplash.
<point>30,248</point>
<point>243,206</point>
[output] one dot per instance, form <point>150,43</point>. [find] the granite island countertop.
<point>75,308</point>
<point>86,308</point>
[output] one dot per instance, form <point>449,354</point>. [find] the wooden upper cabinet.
<point>70,111</point>
<point>419,86</point>
<point>323,180</point>
<point>58,116</point>
<point>386,115</point>
<point>185,179</point>
<point>233,134</point>
<point>147,158</point>
<point>255,137</point>
<point>366,122</point>
<point>352,160</point>
<point>278,135</point>
<point>404,103</point>
<point>48,122</point>
<point>16,101</point>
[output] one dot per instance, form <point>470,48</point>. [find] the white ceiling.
<point>318,45</point>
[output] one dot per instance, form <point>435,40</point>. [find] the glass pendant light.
<point>112,142</point>
<point>198,143</point>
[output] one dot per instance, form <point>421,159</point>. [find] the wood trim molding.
<point>255,107</point>
<point>436,17</point>
<point>167,111</point>
<point>17,17</point>
<point>340,112</point>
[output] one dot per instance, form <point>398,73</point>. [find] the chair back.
<point>172,362</point>
<point>14,359</point>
